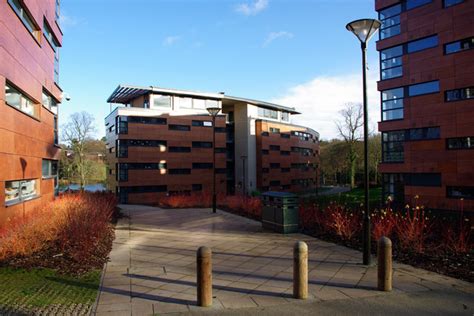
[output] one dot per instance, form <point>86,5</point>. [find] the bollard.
<point>384,268</point>
<point>204,276</point>
<point>300,270</point>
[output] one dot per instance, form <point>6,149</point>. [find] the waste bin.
<point>280,212</point>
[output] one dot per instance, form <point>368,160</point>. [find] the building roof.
<point>125,93</point>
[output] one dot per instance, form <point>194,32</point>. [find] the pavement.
<point>152,270</point>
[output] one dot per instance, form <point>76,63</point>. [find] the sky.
<point>292,52</point>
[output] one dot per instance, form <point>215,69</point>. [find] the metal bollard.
<point>204,276</point>
<point>300,270</point>
<point>384,267</point>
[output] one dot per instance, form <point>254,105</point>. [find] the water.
<point>97,187</point>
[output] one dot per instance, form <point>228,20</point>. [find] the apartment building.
<point>30,39</point>
<point>427,90</point>
<point>160,142</point>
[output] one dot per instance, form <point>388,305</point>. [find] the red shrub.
<point>383,223</point>
<point>343,222</point>
<point>412,229</point>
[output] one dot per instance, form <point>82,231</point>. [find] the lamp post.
<point>364,29</point>
<point>213,111</point>
<point>244,184</point>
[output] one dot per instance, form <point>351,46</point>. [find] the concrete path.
<point>152,271</point>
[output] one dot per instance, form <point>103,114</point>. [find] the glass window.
<point>202,123</point>
<point>274,130</point>
<point>49,168</point>
<point>391,62</point>
<point>411,4</point>
<point>392,146</point>
<point>199,104</point>
<point>49,102</point>
<point>458,46</point>
<point>202,144</point>
<point>448,3</point>
<point>423,179</point>
<point>421,44</point>
<point>202,165</point>
<point>212,103</point>
<point>460,142</point>
<point>390,19</point>
<point>48,34</point>
<point>424,133</point>
<point>268,113</point>
<point>176,127</point>
<point>176,149</point>
<point>392,104</point>
<point>17,6</point>
<point>285,116</point>
<point>393,186</point>
<point>15,98</point>
<point>57,10</point>
<point>17,191</point>
<point>161,101</point>
<point>183,103</point>
<point>459,94</point>
<point>423,88</point>
<point>460,192</point>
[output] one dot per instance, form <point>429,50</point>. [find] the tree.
<point>349,130</point>
<point>76,133</point>
<point>375,155</point>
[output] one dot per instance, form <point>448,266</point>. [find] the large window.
<point>16,99</point>
<point>423,179</point>
<point>49,168</point>
<point>202,165</point>
<point>25,17</point>
<point>49,102</point>
<point>161,101</point>
<point>262,112</point>
<point>202,144</point>
<point>390,18</point>
<point>425,133</point>
<point>147,120</point>
<point>176,127</point>
<point>393,186</point>
<point>459,46</point>
<point>56,130</point>
<point>21,190</point>
<point>459,94</point>
<point>202,123</point>
<point>448,3</point>
<point>392,104</point>
<point>411,4</point>
<point>422,44</point>
<point>183,103</point>
<point>392,146</point>
<point>285,116</point>
<point>49,35</point>
<point>391,62</point>
<point>423,88</point>
<point>459,192</point>
<point>122,125</point>
<point>460,142</point>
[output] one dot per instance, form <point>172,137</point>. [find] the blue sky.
<point>297,53</point>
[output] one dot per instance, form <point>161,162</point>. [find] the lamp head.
<point>364,29</point>
<point>213,111</point>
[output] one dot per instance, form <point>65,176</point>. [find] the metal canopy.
<point>123,94</point>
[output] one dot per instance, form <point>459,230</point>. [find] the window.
<point>175,149</point>
<point>212,103</point>
<point>202,165</point>
<point>391,62</point>
<point>393,186</point>
<point>302,135</point>
<point>122,125</point>
<point>147,120</point>
<point>161,101</point>
<point>265,170</point>
<point>143,143</point>
<point>460,142</point>
<point>49,102</point>
<point>459,94</point>
<point>199,104</point>
<point>284,170</point>
<point>56,131</point>
<point>448,3</point>
<point>265,134</point>
<point>122,149</point>
<point>202,144</point>
<point>424,133</point>
<point>274,147</point>
<point>183,103</point>
<point>265,152</point>
<point>392,104</point>
<point>274,183</point>
<point>411,4</point>
<point>390,18</point>
<point>57,10</point>
<point>262,112</point>
<point>197,187</point>
<point>202,123</point>
<point>25,17</point>
<point>220,129</point>
<point>422,44</point>
<point>274,130</point>
<point>459,192</point>
<point>176,127</point>
<point>221,170</point>
<point>220,150</point>
<point>459,46</point>
<point>423,88</point>
<point>49,168</point>
<point>423,179</point>
<point>392,146</point>
<point>18,100</point>
<point>144,189</point>
<point>285,153</point>
<point>285,116</point>
<point>286,186</point>
<point>18,191</point>
<point>275,166</point>
<point>179,171</point>
<point>285,135</point>
<point>143,166</point>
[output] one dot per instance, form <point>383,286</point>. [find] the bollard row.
<point>300,271</point>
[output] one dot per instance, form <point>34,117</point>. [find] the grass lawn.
<point>43,289</point>
<point>352,198</point>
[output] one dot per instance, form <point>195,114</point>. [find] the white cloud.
<point>321,99</point>
<point>276,35</point>
<point>171,40</point>
<point>66,21</point>
<point>252,8</point>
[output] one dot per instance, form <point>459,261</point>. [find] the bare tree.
<point>76,132</point>
<point>349,129</point>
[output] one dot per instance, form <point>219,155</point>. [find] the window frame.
<point>22,97</point>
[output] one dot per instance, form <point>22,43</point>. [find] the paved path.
<point>152,270</point>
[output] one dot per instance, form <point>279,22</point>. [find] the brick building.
<point>30,39</point>
<point>160,142</point>
<point>427,89</point>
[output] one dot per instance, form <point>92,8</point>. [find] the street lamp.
<point>364,29</point>
<point>213,111</point>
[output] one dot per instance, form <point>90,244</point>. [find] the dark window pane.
<point>422,44</point>
<point>459,192</point>
<point>411,4</point>
<point>423,179</point>
<point>392,94</point>
<point>423,88</point>
<point>448,3</point>
<point>391,11</point>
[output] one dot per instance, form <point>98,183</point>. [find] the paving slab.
<point>152,268</point>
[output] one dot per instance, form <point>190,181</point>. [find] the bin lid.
<point>279,194</point>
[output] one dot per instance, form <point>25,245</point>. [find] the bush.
<point>74,233</point>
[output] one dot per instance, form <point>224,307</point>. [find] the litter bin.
<point>280,212</point>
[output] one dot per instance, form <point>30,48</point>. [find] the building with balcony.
<point>160,142</point>
<point>30,38</point>
<point>427,89</point>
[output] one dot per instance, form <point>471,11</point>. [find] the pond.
<point>95,187</point>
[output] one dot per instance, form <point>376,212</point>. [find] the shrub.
<point>343,222</point>
<point>412,229</point>
<point>383,223</point>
